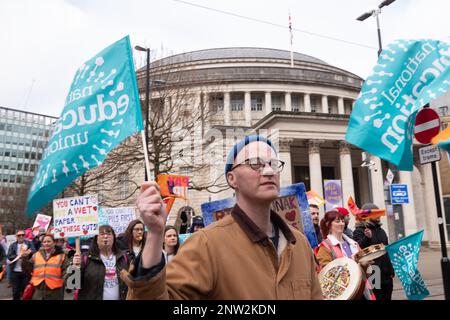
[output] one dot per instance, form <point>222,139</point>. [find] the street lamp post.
<point>364,16</point>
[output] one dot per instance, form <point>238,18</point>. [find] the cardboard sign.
<point>118,218</point>
<point>292,206</point>
<point>75,217</point>
<point>42,221</point>
<point>173,185</point>
<point>314,198</point>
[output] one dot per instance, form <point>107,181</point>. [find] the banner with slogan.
<point>42,221</point>
<point>404,255</point>
<point>333,194</point>
<point>118,218</point>
<point>101,110</point>
<point>75,217</point>
<point>173,185</point>
<point>408,75</point>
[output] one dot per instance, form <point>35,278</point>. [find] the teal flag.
<point>408,75</point>
<point>404,255</point>
<point>101,110</point>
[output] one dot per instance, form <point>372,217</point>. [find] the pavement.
<point>429,267</point>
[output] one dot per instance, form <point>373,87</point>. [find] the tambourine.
<point>370,253</point>
<point>342,279</point>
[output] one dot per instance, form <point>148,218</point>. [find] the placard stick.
<point>147,162</point>
<point>77,245</point>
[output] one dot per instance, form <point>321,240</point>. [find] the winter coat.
<point>93,276</point>
<point>233,259</point>
<point>378,236</point>
<point>42,292</point>
<point>324,255</point>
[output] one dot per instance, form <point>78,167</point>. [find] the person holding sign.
<point>101,267</point>
<point>250,254</point>
<point>49,268</point>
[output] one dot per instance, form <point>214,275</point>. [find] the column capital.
<point>314,145</point>
<point>284,144</point>
<point>344,147</point>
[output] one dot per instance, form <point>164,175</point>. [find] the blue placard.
<point>399,194</point>
<point>209,209</point>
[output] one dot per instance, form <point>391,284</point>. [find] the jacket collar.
<point>336,242</point>
<point>254,233</point>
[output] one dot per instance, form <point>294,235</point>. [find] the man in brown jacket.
<point>250,254</point>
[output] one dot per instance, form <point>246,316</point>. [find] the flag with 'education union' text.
<point>404,255</point>
<point>101,110</point>
<point>408,75</point>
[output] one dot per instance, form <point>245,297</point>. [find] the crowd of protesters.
<point>228,260</point>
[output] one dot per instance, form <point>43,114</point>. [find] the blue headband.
<point>239,146</point>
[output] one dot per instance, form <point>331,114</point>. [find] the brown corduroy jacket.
<point>234,259</point>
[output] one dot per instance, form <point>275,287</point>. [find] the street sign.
<point>429,154</point>
<point>427,125</point>
<point>399,194</point>
<point>390,176</point>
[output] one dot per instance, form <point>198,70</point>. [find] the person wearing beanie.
<point>249,254</point>
<point>197,224</point>
<point>347,231</point>
<point>368,233</point>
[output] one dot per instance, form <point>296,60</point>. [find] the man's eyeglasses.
<point>259,164</point>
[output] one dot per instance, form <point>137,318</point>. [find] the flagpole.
<point>147,162</point>
<point>290,32</point>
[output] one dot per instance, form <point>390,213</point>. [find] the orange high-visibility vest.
<point>49,271</point>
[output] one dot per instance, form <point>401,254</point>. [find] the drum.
<point>370,253</point>
<point>342,279</point>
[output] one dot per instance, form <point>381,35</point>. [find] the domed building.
<point>305,108</point>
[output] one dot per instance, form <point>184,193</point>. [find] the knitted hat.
<point>239,146</point>
<point>343,211</point>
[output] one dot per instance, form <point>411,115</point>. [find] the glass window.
<point>25,167</point>
<point>257,103</point>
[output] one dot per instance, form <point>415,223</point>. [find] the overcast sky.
<point>44,42</point>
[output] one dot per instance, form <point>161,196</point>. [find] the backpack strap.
<point>329,246</point>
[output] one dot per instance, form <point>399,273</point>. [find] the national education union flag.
<point>408,75</point>
<point>101,110</point>
<point>404,255</point>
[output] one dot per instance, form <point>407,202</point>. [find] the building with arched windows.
<point>307,105</point>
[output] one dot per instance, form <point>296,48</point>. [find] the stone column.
<point>248,109</point>
<point>226,108</point>
<point>287,101</point>
<point>341,109</point>
<point>284,154</point>
<point>324,104</point>
<point>307,102</point>
<point>268,102</point>
<point>409,212</point>
<point>345,160</point>
<point>315,168</point>
<point>378,187</point>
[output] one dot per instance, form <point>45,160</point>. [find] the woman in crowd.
<point>135,239</point>
<point>49,268</point>
<point>171,242</point>
<point>337,245</point>
<point>101,268</point>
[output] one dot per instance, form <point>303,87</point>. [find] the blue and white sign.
<point>399,194</point>
<point>408,75</point>
<point>101,110</point>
